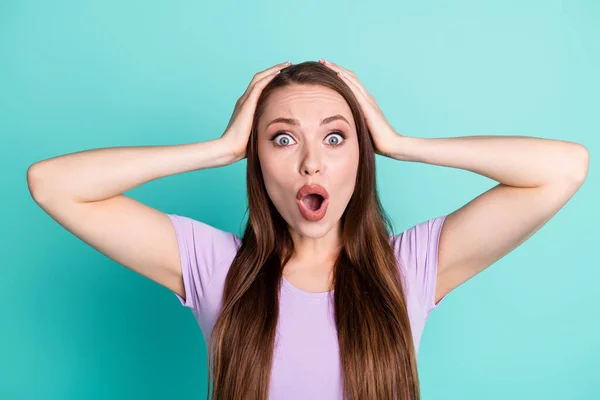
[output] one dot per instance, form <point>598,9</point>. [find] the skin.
<point>309,156</point>
<point>536,178</point>
<point>83,191</point>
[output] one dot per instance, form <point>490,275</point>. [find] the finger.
<point>338,67</point>
<point>247,107</point>
<point>259,85</point>
<point>355,88</point>
<point>272,69</point>
<point>261,75</point>
<point>358,90</point>
<point>353,78</point>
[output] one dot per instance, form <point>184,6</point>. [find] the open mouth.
<point>313,201</point>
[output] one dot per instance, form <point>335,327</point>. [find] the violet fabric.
<point>306,359</point>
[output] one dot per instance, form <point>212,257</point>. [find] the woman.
<point>317,300</point>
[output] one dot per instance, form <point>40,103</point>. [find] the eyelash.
<point>279,133</point>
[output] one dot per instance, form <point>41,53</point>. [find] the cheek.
<point>348,164</point>
<point>275,169</point>
<point>276,176</point>
<point>347,170</point>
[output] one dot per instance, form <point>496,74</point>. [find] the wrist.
<point>229,152</point>
<point>399,148</point>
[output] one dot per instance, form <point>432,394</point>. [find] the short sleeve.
<point>202,248</point>
<point>417,249</point>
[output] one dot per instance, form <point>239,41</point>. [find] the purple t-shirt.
<point>306,358</point>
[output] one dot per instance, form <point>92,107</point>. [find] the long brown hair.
<point>377,355</point>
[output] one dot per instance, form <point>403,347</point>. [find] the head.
<point>306,133</point>
<point>309,128</point>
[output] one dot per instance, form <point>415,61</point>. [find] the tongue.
<point>313,201</point>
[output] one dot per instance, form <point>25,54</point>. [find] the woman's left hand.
<point>382,133</point>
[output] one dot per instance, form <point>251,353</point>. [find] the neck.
<point>315,253</point>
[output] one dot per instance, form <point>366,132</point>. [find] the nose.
<point>311,162</point>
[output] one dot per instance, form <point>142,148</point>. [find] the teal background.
<point>78,75</point>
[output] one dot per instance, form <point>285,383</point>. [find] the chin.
<point>313,230</point>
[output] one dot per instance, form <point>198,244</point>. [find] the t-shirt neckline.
<point>301,293</point>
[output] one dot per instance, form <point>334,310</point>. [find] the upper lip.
<point>312,189</point>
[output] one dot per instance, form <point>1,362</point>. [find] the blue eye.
<point>283,143</point>
<point>337,141</point>
<point>283,139</point>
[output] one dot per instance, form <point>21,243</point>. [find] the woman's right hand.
<point>238,130</point>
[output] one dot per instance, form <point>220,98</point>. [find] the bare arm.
<point>83,192</point>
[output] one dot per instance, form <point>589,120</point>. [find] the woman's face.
<point>307,151</point>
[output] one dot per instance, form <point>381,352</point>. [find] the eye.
<point>335,142</point>
<point>283,142</point>
<point>283,139</point>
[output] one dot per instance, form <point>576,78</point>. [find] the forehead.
<point>307,103</point>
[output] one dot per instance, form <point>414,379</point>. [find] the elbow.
<point>574,167</point>
<point>581,161</point>
<point>35,182</point>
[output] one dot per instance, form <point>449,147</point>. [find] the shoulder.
<point>204,245</point>
<point>201,234</point>
<point>203,251</point>
<point>412,244</point>
<point>416,250</point>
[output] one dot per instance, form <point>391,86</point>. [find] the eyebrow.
<point>292,121</point>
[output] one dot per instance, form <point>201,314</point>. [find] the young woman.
<point>318,299</point>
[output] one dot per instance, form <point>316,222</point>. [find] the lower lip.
<point>313,215</point>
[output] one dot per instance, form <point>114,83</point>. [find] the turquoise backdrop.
<point>76,75</point>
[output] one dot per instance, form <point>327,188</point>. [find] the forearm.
<point>98,174</point>
<point>512,160</point>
